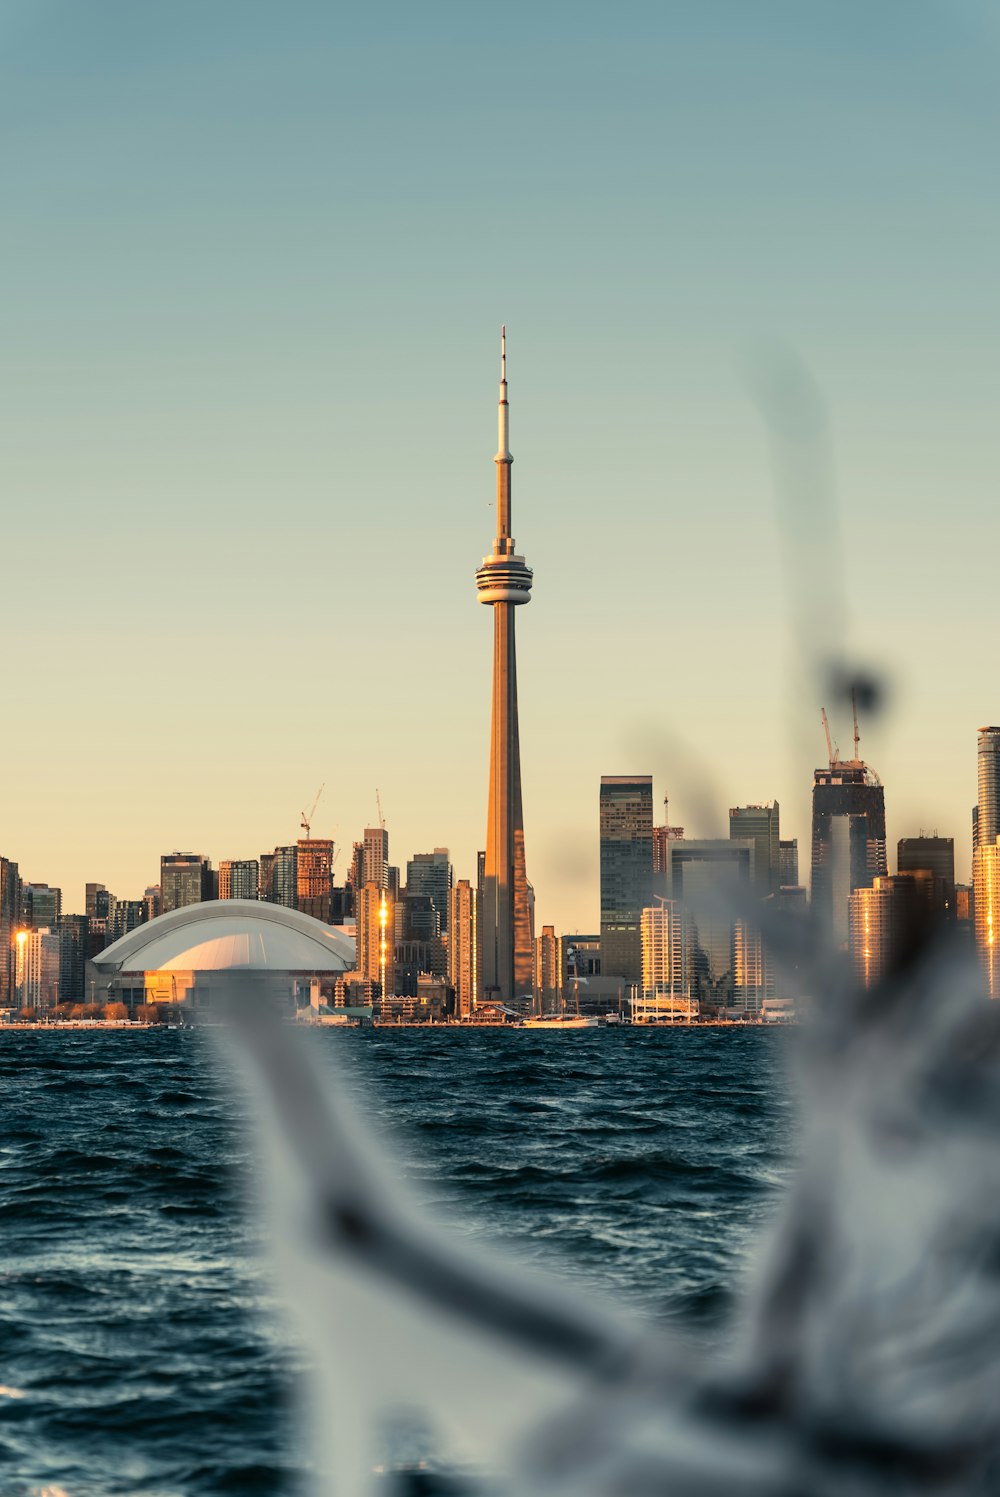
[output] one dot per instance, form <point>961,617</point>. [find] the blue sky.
<point>255,262</point>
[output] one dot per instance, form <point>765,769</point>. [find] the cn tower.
<point>503,582</point>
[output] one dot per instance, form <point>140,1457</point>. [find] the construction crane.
<point>833,752</point>
<point>378,807</point>
<point>857,735</point>
<point>306,822</point>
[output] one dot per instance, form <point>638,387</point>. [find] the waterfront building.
<point>376,856</point>
<point>314,876</point>
<point>986,903</point>
<point>714,881</point>
<point>548,993</point>
<point>73,954</point>
<point>788,863</point>
<point>986,826</point>
<point>37,968</point>
<point>464,960</point>
<point>376,936</point>
<point>431,873</point>
<point>759,825</point>
<point>40,906</point>
<point>239,878</point>
<point>666,964</point>
<point>881,927</point>
<point>185,878</point>
<point>848,840</point>
<point>218,951</point>
<point>626,848</point>
<point>10,915</point>
<point>503,583</point>
<point>931,861</point>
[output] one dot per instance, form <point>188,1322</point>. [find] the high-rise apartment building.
<point>314,876</point>
<point>41,905</point>
<point>931,860</point>
<point>239,878</point>
<point>788,863</point>
<point>279,876</point>
<point>100,902</point>
<point>713,880</point>
<point>848,840</point>
<point>881,927</point>
<point>759,825</point>
<point>662,836</point>
<point>151,897</point>
<point>10,915</point>
<point>464,961</point>
<point>431,873</point>
<point>37,968</point>
<point>626,833</point>
<point>185,878</point>
<point>376,937</point>
<point>128,915</point>
<point>666,954</point>
<point>547,976</point>
<point>986,899</point>
<point>503,582</point>
<point>376,856</point>
<point>987,820</point>
<point>73,952</point>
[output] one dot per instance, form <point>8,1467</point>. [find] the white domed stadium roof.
<point>227,934</point>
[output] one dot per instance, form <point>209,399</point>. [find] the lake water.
<point>143,1348</point>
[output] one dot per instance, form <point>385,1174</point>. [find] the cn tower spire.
<point>503,582</point>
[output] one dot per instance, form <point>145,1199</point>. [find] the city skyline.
<point>247,438</point>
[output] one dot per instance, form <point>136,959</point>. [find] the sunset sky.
<point>256,258</point>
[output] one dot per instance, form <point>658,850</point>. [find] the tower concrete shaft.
<point>503,582</point>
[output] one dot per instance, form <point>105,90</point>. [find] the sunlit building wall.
<point>880,927</point>
<point>376,936</point>
<point>37,964</point>
<point>986,887</point>
<point>464,958</point>
<point>987,820</point>
<point>376,859</point>
<point>665,933</point>
<point>314,876</point>
<point>239,878</point>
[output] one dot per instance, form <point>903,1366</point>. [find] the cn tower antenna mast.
<point>503,583</point>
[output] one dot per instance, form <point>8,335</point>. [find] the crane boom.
<point>306,822</point>
<point>378,807</point>
<point>833,753</point>
<point>857,735</point>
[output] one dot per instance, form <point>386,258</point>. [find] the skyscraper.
<point>882,927</point>
<point>848,839</point>
<point>987,821</point>
<point>239,878</point>
<point>185,878</point>
<point>464,964</point>
<point>41,905</point>
<point>986,886</point>
<point>10,914</point>
<point>713,880</point>
<point>788,863</point>
<point>759,825</point>
<point>547,970</point>
<point>626,831</point>
<point>279,876</point>
<point>503,582</point>
<point>376,943</point>
<point>431,873</point>
<point>376,856</point>
<point>933,857</point>
<point>314,876</point>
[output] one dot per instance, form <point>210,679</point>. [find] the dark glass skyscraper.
<point>431,873</point>
<point>626,828</point>
<point>848,839</point>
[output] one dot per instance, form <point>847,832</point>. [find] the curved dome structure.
<point>223,934</point>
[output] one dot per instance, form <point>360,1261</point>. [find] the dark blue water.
<point>142,1349</point>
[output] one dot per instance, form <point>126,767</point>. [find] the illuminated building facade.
<point>376,857</point>
<point>239,878</point>
<point>626,835</point>
<point>376,937</point>
<point>881,927</point>
<point>464,961</point>
<point>314,876</point>
<point>986,898</point>
<point>986,824</point>
<point>503,583</point>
